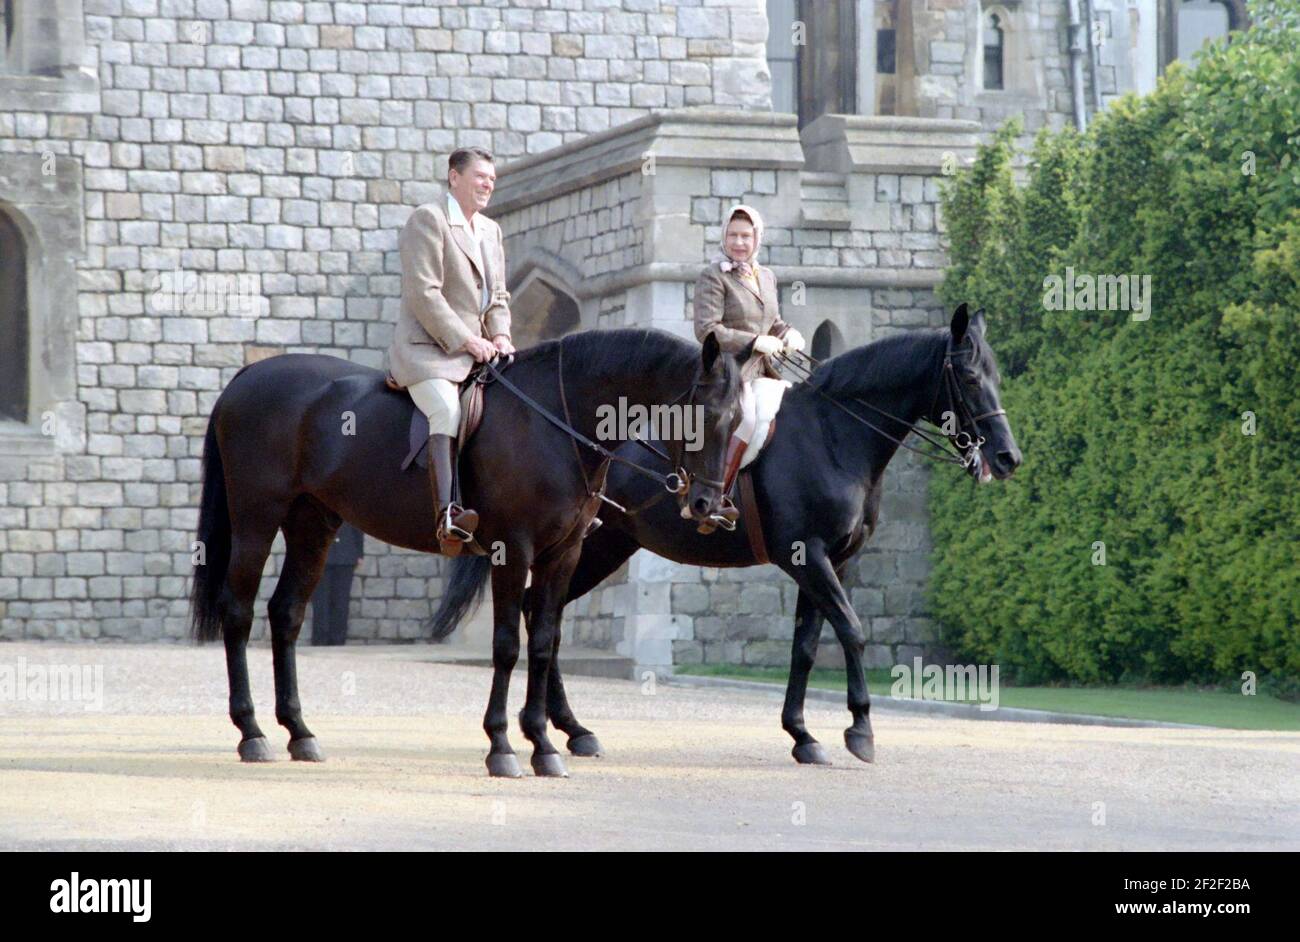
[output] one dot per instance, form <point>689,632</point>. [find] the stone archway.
<point>542,310</point>
<point>826,342</point>
<point>543,300</point>
<point>41,202</point>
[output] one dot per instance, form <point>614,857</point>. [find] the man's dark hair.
<point>463,156</point>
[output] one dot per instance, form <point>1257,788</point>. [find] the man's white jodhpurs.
<point>439,400</point>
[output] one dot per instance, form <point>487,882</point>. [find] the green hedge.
<point>1132,430</point>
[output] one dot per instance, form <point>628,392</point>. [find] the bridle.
<point>676,482</point>
<point>679,446</point>
<point>966,441</point>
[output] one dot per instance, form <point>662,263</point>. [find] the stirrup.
<point>725,518</point>
<point>448,531</point>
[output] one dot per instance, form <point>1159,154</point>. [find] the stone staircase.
<point>824,200</point>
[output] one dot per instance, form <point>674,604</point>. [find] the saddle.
<point>471,415</point>
<point>756,447</point>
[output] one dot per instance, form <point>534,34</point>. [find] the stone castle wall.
<point>287,141</point>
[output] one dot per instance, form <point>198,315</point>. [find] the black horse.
<point>299,443</point>
<point>817,486</point>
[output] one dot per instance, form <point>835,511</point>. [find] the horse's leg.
<point>803,652</point>
<point>308,534</point>
<point>507,589</point>
<point>248,553</point>
<point>808,620</point>
<point>582,741</point>
<point>602,553</point>
<point>545,601</point>
<point>818,580</point>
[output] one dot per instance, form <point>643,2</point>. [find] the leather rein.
<point>966,440</point>
<point>675,482</point>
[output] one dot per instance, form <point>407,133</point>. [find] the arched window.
<point>826,341</point>
<point>14,344</point>
<point>1185,26</point>
<point>994,77</point>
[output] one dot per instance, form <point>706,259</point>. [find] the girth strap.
<point>749,514</point>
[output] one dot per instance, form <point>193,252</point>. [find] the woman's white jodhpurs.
<point>760,399</point>
<point>439,400</point>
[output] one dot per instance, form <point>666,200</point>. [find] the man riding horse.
<point>455,312</point>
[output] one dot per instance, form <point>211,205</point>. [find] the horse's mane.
<point>621,351</point>
<point>886,363</point>
<point>891,362</point>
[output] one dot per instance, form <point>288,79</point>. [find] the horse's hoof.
<point>504,765</point>
<point>864,747</point>
<point>586,745</point>
<point>256,749</point>
<point>549,765</point>
<point>810,753</point>
<point>306,750</point>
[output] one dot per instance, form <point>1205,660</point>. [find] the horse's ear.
<point>960,321</point>
<point>977,321</point>
<point>712,350</point>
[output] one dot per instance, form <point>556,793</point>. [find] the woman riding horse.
<point>736,300</point>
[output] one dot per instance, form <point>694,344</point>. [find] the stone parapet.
<point>837,143</point>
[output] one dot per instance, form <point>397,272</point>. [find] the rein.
<point>675,482</point>
<point>966,442</point>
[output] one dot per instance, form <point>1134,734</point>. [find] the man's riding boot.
<point>456,525</point>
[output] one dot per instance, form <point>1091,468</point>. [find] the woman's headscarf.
<point>725,261</point>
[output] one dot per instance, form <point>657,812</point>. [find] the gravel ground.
<point>155,768</point>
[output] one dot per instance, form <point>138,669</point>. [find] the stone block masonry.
<point>285,141</point>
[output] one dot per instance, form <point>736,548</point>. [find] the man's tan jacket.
<point>442,296</point>
<point>728,306</point>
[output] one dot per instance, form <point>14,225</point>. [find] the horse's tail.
<point>466,585</point>
<point>213,549</point>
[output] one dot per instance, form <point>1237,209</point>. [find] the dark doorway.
<point>13,321</point>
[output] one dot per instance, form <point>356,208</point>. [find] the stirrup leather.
<point>735,452</point>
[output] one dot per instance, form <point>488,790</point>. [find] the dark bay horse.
<point>299,443</point>
<point>818,486</point>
